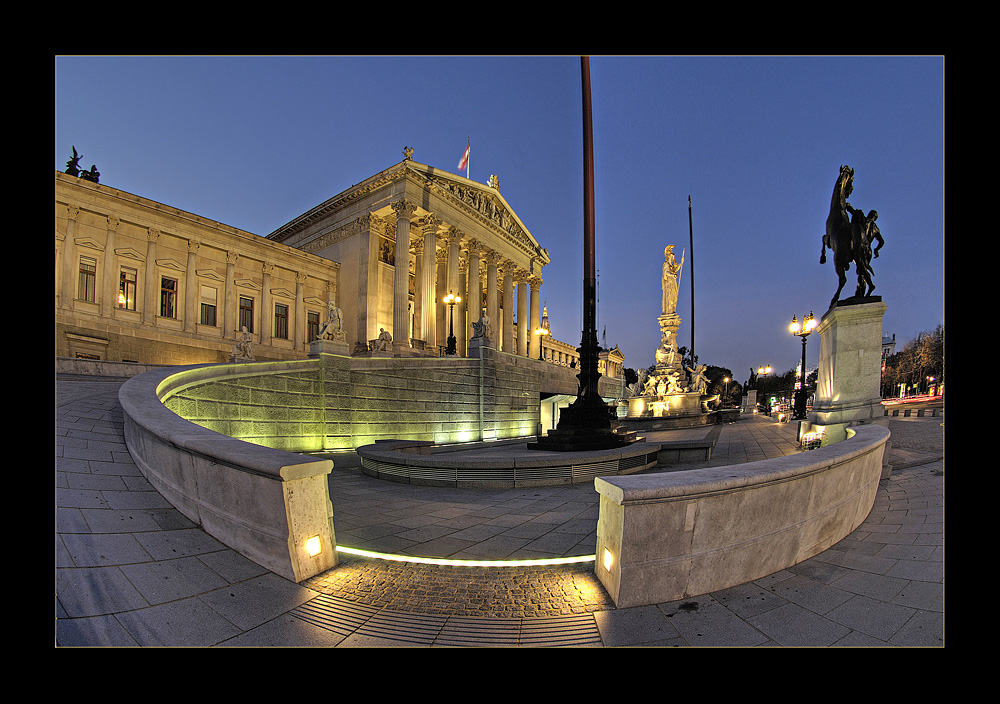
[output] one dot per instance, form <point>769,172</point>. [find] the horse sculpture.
<point>846,240</point>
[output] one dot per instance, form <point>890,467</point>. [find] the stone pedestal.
<point>317,347</point>
<point>477,344</point>
<point>848,389</point>
<point>686,404</point>
<point>667,358</point>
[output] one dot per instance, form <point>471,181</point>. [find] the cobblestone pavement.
<point>131,570</point>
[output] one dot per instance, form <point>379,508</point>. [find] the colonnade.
<point>450,261</point>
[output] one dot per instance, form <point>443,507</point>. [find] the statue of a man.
<point>384,340</point>
<point>244,345</point>
<point>481,328</point>
<point>333,328</point>
<point>671,271</point>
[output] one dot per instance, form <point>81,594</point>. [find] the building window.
<point>312,323</point>
<point>246,313</point>
<point>281,321</point>
<point>208,303</point>
<point>88,279</point>
<point>126,288</point>
<point>168,298</point>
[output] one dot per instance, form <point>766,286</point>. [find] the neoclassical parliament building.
<point>145,282</point>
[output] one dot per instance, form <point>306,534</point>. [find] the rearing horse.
<point>839,235</point>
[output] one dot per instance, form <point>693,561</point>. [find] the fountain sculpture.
<point>671,390</point>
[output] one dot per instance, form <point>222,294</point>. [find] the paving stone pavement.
<point>132,571</point>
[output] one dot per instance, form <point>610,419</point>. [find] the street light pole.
<point>801,394</point>
<point>451,299</point>
<point>541,332</point>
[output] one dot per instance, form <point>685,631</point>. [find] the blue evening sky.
<point>756,142</point>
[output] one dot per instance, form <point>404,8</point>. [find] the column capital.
<point>193,247</point>
<point>152,234</point>
<point>430,223</point>
<point>493,257</point>
<point>454,236</point>
<point>474,246</point>
<point>113,223</point>
<point>404,209</point>
<point>231,257</point>
<point>535,282</point>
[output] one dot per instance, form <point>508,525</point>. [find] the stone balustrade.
<point>664,537</point>
<point>269,505</point>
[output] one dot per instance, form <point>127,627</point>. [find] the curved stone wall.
<point>270,505</point>
<point>663,537</point>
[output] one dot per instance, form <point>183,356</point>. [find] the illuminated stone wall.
<point>332,402</point>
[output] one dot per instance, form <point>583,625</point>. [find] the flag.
<point>465,158</point>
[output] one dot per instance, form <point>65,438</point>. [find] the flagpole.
<point>468,161</point>
<point>691,242</point>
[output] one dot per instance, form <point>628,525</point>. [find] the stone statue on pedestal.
<point>481,328</point>
<point>384,341</point>
<point>671,279</point>
<point>333,328</point>
<point>243,349</point>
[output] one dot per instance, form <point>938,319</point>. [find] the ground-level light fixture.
<point>313,546</point>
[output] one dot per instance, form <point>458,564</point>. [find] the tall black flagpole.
<point>691,246</point>
<point>588,423</point>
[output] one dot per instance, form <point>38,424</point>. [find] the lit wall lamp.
<point>609,559</point>
<point>313,546</point>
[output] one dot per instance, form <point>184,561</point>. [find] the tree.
<point>910,368</point>
<point>631,376</point>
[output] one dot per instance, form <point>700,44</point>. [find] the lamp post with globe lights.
<point>451,299</point>
<point>802,330</point>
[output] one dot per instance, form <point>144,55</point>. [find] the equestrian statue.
<point>849,235</point>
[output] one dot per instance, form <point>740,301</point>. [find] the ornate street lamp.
<point>541,332</point>
<point>725,395</point>
<point>763,372</point>
<point>801,394</point>
<point>451,299</point>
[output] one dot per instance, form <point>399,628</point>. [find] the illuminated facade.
<point>406,238</point>
<point>141,281</point>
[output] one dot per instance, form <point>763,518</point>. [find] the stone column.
<point>401,283</point>
<point>230,305</point>
<point>70,269</point>
<point>428,274</point>
<point>523,331</point>
<point>454,255</point>
<point>461,310</point>
<point>366,323</point>
<point>265,305</point>
<point>492,300</point>
<point>151,303</point>
<point>300,313</point>
<point>508,307</point>
<point>534,340</point>
<point>191,293</point>
<point>109,297</point>
<point>475,306</point>
<point>441,285</point>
